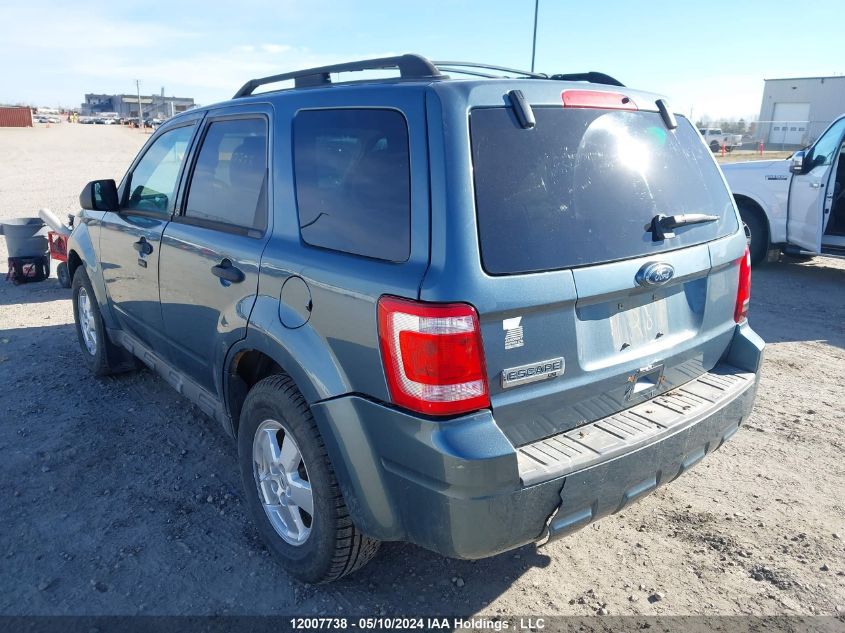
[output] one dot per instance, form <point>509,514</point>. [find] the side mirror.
<point>99,195</point>
<point>797,166</point>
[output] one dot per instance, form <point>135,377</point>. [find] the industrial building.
<point>796,110</point>
<point>126,105</point>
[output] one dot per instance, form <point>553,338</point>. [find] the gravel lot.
<point>119,497</point>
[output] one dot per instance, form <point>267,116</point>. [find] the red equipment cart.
<point>58,252</point>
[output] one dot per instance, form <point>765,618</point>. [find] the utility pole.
<point>534,41</point>
<point>140,111</point>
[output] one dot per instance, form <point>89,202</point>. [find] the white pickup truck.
<point>795,205</point>
<point>715,138</point>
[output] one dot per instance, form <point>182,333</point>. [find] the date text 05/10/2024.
<point>423,624</point>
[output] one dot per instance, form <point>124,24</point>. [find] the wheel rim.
<point>747,230</point>
<point>85,309</point>
<point>284,487</point>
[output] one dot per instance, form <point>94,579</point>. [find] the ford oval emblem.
<point>655,274</point>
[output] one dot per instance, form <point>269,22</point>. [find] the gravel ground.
<point>119,497</point>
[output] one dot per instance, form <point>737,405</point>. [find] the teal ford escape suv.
<point>470,314</point>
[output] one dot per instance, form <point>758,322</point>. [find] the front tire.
<point>101,356</point>
<point>291,488</point>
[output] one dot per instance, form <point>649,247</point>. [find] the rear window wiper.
<point>661,226</point>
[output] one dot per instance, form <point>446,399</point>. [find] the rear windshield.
<point>581,186</point>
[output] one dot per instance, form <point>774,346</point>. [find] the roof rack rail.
<point>592,76</point>
<point>456,67</point>
<point>410,67</point>
<point>471,73</point>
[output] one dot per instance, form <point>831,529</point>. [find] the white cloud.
<point>275,48</point>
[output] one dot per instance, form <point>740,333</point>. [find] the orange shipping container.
<point>15,117</point>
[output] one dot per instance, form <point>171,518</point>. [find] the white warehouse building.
<point>796,110</point>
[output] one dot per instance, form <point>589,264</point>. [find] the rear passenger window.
<point>229,183</point>
<point>353,187</point>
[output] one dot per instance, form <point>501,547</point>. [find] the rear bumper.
<point>461,489</point>
<point>591,493</point>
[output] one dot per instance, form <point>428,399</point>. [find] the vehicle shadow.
<point>794,300</point>
<point>132,504</point>
<point>118,496</point>
<point>430,584</point>
<point>34,292</point>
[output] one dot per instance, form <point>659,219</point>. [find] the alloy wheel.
<point>281,477</point>
<point>87,325</point>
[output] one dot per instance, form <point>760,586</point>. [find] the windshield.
<point>581,186</point>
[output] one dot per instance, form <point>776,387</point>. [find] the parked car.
<point>469,314</point>
<point>795,205</point>
<point>715,139</point>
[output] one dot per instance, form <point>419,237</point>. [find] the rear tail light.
<point>432,355</point>
<point>597,99</point>
<point>743,293</point>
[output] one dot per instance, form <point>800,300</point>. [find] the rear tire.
<point>317,546</point>
<point>756,232</point>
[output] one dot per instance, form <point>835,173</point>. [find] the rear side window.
<point>229,183</point>
<point>581,186</point>
<point>353,187</point>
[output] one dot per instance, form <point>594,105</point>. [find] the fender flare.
<point>81,246</point>
<point>300,352</point>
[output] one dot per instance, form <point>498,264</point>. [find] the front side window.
<point>229,182</point>
<point>152,184</point>
<point>825,148</point>
<point>353,186</point>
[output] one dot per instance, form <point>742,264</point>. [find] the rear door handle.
<point>143,246</point>
<point>225,270</point>
<point>815,185</point>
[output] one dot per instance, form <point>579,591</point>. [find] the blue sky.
<point>709,57</point>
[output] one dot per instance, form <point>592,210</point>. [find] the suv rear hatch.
<point>583,313</point>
